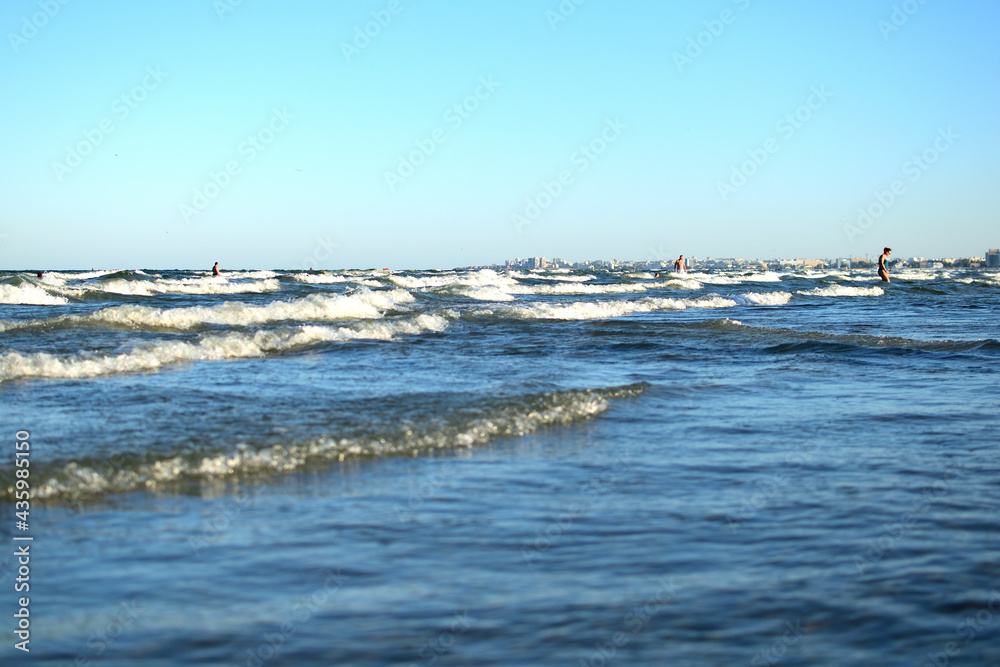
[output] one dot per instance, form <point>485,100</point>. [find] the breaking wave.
<point>210,347</point>
<point>466,428</point>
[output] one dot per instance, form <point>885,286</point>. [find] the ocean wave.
<point>244,275</point>
<point>466,428</point>
<point>29,295</point>
<point>129,285</point>
<point>988,280</point>
<point>211,347</point>
<point>843,290</point>
<point>680,283</point>
<point>560,277</point>
<point>487,293</point>
<point>315,307</point>
<point>762,277</point>
<point>599,310</point>
<point>794,340</point>
<point>580,288</point>
<point>207,285</point>
<point>77,275</point>
<point>318,278</point>
<point>763,298</point>
<point>482,278</point>
<point>710,278</point>
<point>922,274</point>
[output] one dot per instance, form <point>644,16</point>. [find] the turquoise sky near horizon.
<point>668,137</point>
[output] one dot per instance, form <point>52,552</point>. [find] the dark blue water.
<point>472,468</point>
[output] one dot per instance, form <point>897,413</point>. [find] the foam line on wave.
<point>597,310</point>
<point>153,356</point>
<point>778,335</point>
<point>359,305</point>
<point>512,417</point>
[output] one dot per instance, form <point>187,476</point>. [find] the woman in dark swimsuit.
<point>883,270</point>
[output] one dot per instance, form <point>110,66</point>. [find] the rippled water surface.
<point>488,468</point>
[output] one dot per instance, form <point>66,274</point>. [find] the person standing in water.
<point>679,265</point>
<point>883,268</point>
<point>215,270</point>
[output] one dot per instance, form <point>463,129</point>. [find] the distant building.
<point>993,259</point>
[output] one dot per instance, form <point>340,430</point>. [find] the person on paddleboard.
<point>883,268</point>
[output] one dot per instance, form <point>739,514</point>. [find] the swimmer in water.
<point>883,269</point>
<point>215,270</point>
<point>679,265</point>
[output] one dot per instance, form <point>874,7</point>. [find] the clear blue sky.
<point>331,122</point>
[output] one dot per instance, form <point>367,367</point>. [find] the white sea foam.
<point>28,294</point>
<point>559,277</point>
<point>763,298</point>
<point>680,283</point>
<point>485,277</point>
<point>763,277</point>
<point>597,310</point>
<point>921,274</point>
<point>989,279</point>
<point>244,275</point>
<point>843,290</point>
<point>487,293</point>
<point>81,275</point>
<point>212,347</point>
<point>710,278</point>
<point>580,288</point>
<point>318,278</point>
<point>736,278</point>
<point>315,307</point>
<point>205,285</point>
<point>512,418</point>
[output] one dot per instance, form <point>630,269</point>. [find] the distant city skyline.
<point>403,134</point>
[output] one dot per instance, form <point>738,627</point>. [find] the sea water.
<point>503,468</point>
